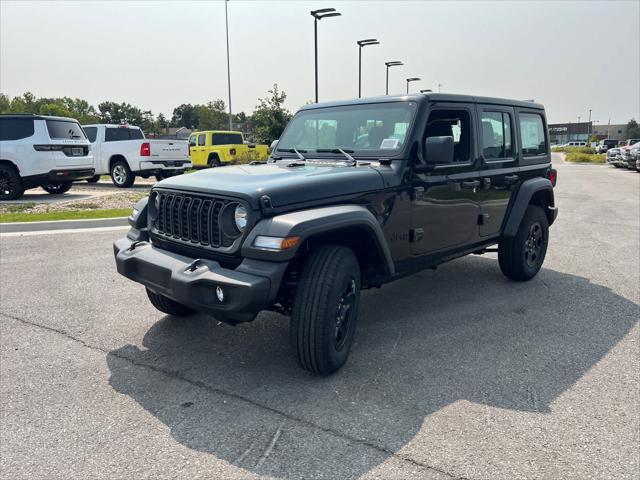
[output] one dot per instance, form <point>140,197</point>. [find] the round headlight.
<point>240,216</point>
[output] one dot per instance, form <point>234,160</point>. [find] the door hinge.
<point>416,234</point>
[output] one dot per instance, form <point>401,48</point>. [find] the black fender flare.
<point>523,199</point>
<point>310,222</point>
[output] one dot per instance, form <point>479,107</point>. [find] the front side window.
<point>64,129</point>
<point>192,141</point>
<point>452,123</point>
<point>15,128</point>
<point>116,134</point>
<point>92,133</point>
<point>532,134</point>
<point>363,130</point>
<point>201,139</point>
<point>496,135</point>
<point>226,139</point>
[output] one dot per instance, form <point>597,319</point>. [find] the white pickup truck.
<point>123,152</point>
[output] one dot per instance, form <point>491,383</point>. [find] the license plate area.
<point>77,152</point>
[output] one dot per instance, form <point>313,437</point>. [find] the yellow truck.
<point>214,148</point>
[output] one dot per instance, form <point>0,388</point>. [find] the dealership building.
<point>560,133</point>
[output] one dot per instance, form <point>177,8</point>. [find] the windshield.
<point>363,130</point>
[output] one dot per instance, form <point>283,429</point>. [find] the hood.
<point>284,185</point>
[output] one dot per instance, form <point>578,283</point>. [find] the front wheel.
<point>121,175</point>
<point>57,188</point>
<point>166,305</point>
<point>11,187</point>
<point>325,310</point>
<point>521,257</point>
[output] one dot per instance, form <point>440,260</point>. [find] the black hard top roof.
<point>427,97</point>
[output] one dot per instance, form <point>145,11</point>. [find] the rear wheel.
<point>166,305</point>
<point>214,161</point>
<point>57,188</point>
<point>93,179</point>
<point>325,310</point>
<point>121,175</point>
<point>11,186</point>
<point>521,257</point>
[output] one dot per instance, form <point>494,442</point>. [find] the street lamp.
<point>409,80</point>
<point>363,43</point>
<point>589,128</point>
<point>226,22</point>
<point>319,15</point>
<point>578,128</point>
<point>390,64</point>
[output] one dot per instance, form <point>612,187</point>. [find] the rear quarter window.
<point>15,128</point>
<point>64,129</point>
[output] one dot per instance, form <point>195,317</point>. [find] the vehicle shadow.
<point>423,343</point>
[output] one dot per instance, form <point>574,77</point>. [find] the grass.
<point>18,207</point>
<point>578,157</point>
<point>64,215</point>
<point>588,150</point>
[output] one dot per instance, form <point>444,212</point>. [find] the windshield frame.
<point>358,155</point>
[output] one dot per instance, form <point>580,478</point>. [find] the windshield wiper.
<point>339,150</point>
<point>293,150</point>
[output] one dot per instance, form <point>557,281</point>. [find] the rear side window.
<point>135,134</point>
<point>201,139</point>
<point>226,139</point>
<point>15,128</point>
<point>64,129</point>
<point>192,141</point>
<point>116,134</point>
<point>496,135</point>
<point>92,133</point>
<point>532,134</point>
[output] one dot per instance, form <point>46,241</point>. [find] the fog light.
<point>220,294</point>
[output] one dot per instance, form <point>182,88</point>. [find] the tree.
<point>212,116</point>
<point>184,116</point>
<point>270,118</point>
<point>632,130</point>
<point>111,112</point>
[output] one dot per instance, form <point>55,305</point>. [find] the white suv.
<point>40,151</point>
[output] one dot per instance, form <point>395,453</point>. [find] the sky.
<point>571,56</point>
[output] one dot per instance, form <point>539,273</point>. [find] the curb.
<point>58,225</point>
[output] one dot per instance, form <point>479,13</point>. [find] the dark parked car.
<point>357,194</point>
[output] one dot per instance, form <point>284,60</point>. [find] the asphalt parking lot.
<point>456,373</point>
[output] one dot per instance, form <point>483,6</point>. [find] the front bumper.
<point>248,289</point>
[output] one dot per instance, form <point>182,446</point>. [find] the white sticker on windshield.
<point>389,144</point>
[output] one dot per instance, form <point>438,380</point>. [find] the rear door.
<point>445,206</point>
<point>499,172</point>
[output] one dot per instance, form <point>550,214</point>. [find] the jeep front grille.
<point>190,218</point>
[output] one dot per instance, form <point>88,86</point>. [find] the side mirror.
<point>438,150</point>
<point>273,146</point>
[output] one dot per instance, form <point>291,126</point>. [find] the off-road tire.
<point>213,162</point>
<point>11,187</point>
<point>94,179</point>
<point>121,171</point>
<point>521,257</point>
<point>330,275</point>
<point>57,188</point>
<point>166,305</point>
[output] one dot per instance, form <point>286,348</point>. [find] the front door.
<point>445,208</point>
<point>499,172</point>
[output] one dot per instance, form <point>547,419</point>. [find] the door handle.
<point>511,178</point>
<point>471,184</point>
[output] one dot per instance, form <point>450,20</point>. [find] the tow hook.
<point>193,266</point>
<point>133,246</point>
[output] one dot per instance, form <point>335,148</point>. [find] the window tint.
<point>92,133</point>
<point>496,135</point>
<point>15,128</point>
<point>532,134</point>
<point>201,139</point>
<point>452,123</point>
<point>116,134</point>
<point>59,129</point>
<point>226,139</point>
<point>192,141</point>
<point>136,134</point>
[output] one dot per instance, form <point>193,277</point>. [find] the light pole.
<point>412,79</point>
<point>226,22</point>
<point>578,128</point>
<point>439,87</point>
<point>589,128</point>
<point>390,64</point>
<point>319,15</point>
<point>363,43</point>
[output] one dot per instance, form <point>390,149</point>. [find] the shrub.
<point>585,157</point>
<point>587,150</point>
